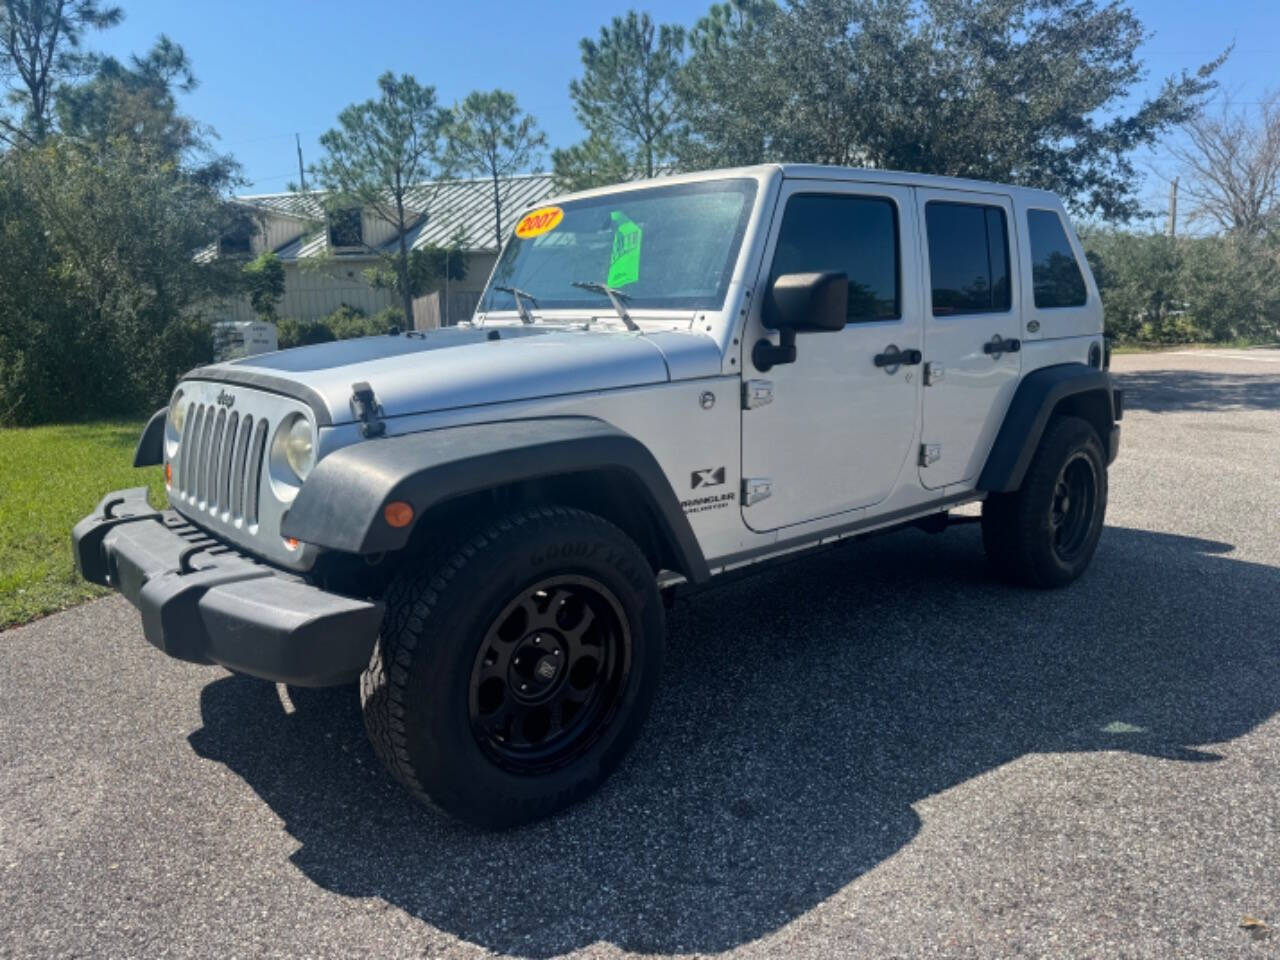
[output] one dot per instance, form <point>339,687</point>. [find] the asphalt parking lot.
<point>877,751</point>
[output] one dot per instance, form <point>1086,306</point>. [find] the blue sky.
<point>278,67</point>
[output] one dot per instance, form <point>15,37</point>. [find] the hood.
<point>467,366</point>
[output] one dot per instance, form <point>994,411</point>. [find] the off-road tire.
<point>1022,538</point>
<point>417,692</point>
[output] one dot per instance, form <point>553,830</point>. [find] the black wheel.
<point>1045,533</point>
<point>514,671</point>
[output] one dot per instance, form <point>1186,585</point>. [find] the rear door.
<point>971,329</point>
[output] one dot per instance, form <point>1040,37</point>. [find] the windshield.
<point>661,247</point>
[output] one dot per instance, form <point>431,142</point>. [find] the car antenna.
<point>616,297</point>
<point>520,296</point>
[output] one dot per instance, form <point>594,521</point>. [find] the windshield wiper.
<point>520,296</point>
<point>615,297</point>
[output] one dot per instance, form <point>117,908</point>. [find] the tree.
<point>492,136</point>
<point>40,49</point>
<point>626,95</point>
<point>112,204</point>
<point>137,100</point>
<point>429,268</point>
<point>1231,166</point>
<point>1023,91</point>
<point>378,157</point>
<point>265,276</point>
<point>595,162</point>
<point>730,113</point>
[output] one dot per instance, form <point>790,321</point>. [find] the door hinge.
<point>933,373</point>
<point>755,489</point>
<point>756,393</point>
<point>930,453</point>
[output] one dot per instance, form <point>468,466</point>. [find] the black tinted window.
<point>857,236</point>
<point>968,257</point>
<point>1055,274</point>
<point>346,228</point>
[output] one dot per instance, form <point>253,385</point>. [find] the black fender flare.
<point>150,449</point>
<point>340,505</point>
<point>1037,396</point>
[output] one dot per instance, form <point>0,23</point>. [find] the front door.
<point>839,428</point>
<point>971,314</point>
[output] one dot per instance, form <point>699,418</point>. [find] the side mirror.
<point>808,301</point>
<point>798,303</point>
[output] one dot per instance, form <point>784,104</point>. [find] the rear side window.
<point>857,236</point>
<point>1055,274</point>
<point>968,257</point>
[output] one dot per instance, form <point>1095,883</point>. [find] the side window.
<point>968,257</point>
<point>857,236</point>
<point>1055,274</point>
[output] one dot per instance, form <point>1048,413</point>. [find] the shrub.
<point>345,323</point>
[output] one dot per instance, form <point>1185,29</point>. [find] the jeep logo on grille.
<point>225,398</point>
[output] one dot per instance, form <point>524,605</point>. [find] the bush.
<point>1194,289</point>
<point>345,323</point>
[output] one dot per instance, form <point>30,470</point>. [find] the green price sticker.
<point>624,259</point>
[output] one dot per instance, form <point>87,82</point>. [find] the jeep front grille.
<point>219,467</point>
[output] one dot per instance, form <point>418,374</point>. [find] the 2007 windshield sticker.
<point>540,221</point>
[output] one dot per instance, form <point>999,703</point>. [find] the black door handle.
<point>898,358</point>
<point>996,345</point>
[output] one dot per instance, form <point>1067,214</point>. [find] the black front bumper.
<point>204,602</point>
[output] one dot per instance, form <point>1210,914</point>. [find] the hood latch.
<point>365,406</point>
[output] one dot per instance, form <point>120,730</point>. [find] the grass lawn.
<point>50,477</point>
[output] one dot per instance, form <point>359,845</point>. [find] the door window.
<point>856,236</point>
<point>1055,274</point>
<point>968,258</point>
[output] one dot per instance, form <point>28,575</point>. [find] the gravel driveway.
<point>873,752</point>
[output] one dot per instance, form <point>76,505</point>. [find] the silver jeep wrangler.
<point>664,381</point>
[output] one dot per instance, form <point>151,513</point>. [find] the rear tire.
<point>1045,533</point>
<point>513,672</point>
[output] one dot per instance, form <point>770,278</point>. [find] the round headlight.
<point>299,448</point>
<point>177,413</point>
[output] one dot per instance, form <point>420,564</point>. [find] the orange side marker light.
<point>398,514</point>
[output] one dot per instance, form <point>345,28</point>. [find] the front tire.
<point>1045,533</point>
<point>514,671</point>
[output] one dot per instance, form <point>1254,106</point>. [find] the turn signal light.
<point>168,474</point>
<point>398,514</point>
<point>290,543</point>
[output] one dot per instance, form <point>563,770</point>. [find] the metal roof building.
<point>302,233</point>
<point>446,209</point>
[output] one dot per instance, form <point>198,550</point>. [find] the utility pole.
<point>1173,209</point>
<point>302,176</point>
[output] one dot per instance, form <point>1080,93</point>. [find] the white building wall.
<point>275,232</point>
<point>313,294</point>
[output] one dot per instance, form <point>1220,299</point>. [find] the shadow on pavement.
<point>804,711</point>
<point>1171,391</point>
